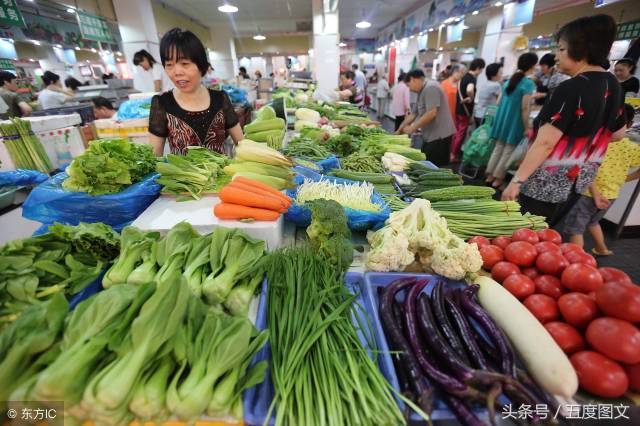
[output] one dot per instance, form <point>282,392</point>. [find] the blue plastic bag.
<point>22,177</point>
<point>49,202</point>
<point>134,108</point>
<point>329,164</point>
<point>236,95</point>
<point>358,220</point>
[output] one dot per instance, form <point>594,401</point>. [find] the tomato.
<point>548,285</point>
<point>544,246</point>
<point>576,256</point>
<point>599,375</point>
<point>633,373</point>
<point>480,241</point>
<point>521,286</point>
<point>567,247</point>
<point>531,273</point>
<point>619,300</point>
<point>542,307</point>
<point>491,255</point>
<point>525,234</point>
<point>521,253</point>
<point>592,295</point>
<point>551,263</point>
<point>581,277</point>
<point>566,336</point>
<point>577,309</point>
<point>613,274</point>
<point>501,241</point>
<point>550,235</point>
<point>502,270</point>
<point>617,339</point>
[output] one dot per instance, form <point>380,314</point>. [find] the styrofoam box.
<point>164,213</point>
<point>53,122</point>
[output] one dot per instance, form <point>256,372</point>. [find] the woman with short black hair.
<point>190,115</point>
<point>575,126</point>
<point>149,73</point>
<point>624,70</point>
<point>53,95</point>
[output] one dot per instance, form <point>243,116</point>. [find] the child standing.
<point>592,206</point>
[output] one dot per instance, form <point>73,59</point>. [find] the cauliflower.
<point>422,225</point>
<point>389,251</point>
<point>456,259</point>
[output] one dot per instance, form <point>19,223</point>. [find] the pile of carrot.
<point>246,199</point>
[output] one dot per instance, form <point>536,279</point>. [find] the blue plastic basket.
<point>375,280</point>
<point>256,400</point>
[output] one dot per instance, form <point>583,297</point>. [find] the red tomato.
<point>592,295</point>
<point>633,373</point>
<point>577,309</point>
<point>548,285</point>
<point>502,270</point>
<point>619,300</point>
<point>544,246</point>
<point>531,273</point>
<point>525,234</point>
<point>521,286</point>
<point>550,235</point>
<point>521,253</point>
<point>542,307</point>
<point>566,336</point>
<point>613,274</point>
<point>501,241</point>
<point>617,339</point>
<point>576,256</point>
<point>599,375</point>
<point>551,263</point>
<point>567,247</point>
<point>490,256</point>
<point>581,277</point>
<point>480,241</point>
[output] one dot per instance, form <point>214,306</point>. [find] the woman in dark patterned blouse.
<point>573,129</point>
<point>190,115</point>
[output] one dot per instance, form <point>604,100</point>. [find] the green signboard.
<point>93,27</point>
<point>7,64</point>
<point>628,30</point>
<point>10,14</point>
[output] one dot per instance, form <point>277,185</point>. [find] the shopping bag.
<point>477,150</point>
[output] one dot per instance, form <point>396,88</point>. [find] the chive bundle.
<point>24,147</point>
<point>321,372</point>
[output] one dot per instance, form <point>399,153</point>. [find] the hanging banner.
<point>628,30</point>
<point>7,65</point>
<point>392,65</point>
<point>515,14</point>
<point>365,45</point>
<point>454,32</point>
<point>93,27</point>
<point>10,15</point>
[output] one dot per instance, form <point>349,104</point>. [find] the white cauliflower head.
<point>457,259</point>
<point>423,226</point>
<point>389,251</point>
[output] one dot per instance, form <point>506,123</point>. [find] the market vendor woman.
<point>190,114</point>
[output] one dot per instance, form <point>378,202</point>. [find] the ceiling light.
<point>412,36</point>
<point>36,42</point>
<point>32,60</point>
<point>119,53</point>
<point>430,29</point>
<point>259,37</point>
<point>363,24</point>
<point>475,12</point>
<point>539,37</point>
<point>77,48</point>
<point>227,8</point>
<point>71,10</point>
<point>59,46</point>
<point>342,44</point>
<point>93,50</point>
<point>499,3</point>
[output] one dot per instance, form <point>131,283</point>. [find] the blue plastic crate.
<point>374,281</point>
<point>256,401</point>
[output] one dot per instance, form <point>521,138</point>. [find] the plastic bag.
<point>134,108</point>
<point>477,150</point>
<point>236,95</point>
<point>22,177</point>
<point>518,154</point>
<point>358,220</point>
<point>49,203</point>
<point>329,164</point>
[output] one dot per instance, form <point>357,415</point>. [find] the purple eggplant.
<point>464,328</point>
<point>406,387</point>
<point>471,308</point>
<point>463,413</point>
<point>395,334</point>
<point>448,331</point>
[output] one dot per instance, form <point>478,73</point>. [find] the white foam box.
<point>53,122</point>
<point>164,213</point>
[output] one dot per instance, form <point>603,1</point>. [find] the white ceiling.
<point>379,12</point>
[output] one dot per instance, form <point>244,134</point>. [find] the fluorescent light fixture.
<point>440,48</point>
<point>499,3</point>
<point>32,60</point>
<point>227,8</point>
<point>118,53</point>
<point>430,29</point>
<point>539,37</point>
<point>71,10</point>
<point>363,24</point>
<point>475,12</point>
<point>77,48</point>
<point>259,37</point>
<point>59,46</point>
<point>412,37</point>
<point>36,42</point>
<point>342,44</point>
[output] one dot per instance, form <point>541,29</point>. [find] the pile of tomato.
<point>592,313</point>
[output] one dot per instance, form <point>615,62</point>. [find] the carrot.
<point>261,186</point>
<point>229,211</point>
<point>257,190</point>
<point>235,195</point>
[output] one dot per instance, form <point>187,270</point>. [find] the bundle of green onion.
<point>24,147</point>
<point>321,372</point>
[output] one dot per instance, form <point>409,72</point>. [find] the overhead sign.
<point>516,14</point>
<point>628,30</point>
<point>93,27</point>
<point>454,32</point>
<point>10,14</point>
<point>7,65</point>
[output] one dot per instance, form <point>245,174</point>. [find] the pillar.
<point>326,53</point>
<point>223,53</point>
<point>491,36</point>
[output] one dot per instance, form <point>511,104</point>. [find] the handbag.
<point>466,110</point>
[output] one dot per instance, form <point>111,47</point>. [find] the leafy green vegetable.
<point>108,165</point>
<point>98,240</point>
<point>194,173</point>
<point>135,245</point>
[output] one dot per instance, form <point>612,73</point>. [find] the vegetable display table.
<point>166,212</point>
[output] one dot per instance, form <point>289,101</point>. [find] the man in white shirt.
<point>382,93</point>
<point>360,79</point>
